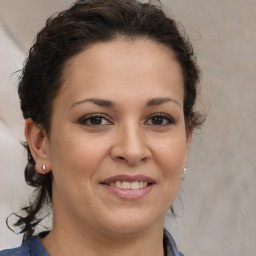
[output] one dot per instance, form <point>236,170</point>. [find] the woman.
<point>108,93</point>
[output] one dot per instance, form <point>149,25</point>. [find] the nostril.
<point>144,159</point>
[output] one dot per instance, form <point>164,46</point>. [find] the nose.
<point>130,146</point>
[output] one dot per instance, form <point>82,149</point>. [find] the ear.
<point>38,142</point>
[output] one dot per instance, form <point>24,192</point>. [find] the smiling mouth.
<point>129,185</point>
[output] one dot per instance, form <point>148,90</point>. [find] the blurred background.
<point>216,204</point>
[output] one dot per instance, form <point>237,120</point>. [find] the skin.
<point>127,140</point>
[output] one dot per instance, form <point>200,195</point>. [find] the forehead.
<point>129,67</point>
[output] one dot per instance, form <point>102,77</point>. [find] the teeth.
<point>141,184</point>
<point>118,184</point>
<point>135,185</point>
<point>129,185</point>
<point>126,185</point>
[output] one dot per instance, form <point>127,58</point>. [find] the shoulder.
<point>170,245</point>
<point>23,250</point>
<point>33,247</point>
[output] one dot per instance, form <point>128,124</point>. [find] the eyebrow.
<point>160,101</point>
<point>108,103</point>
<point>99,102</point>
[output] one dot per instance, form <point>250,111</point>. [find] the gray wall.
<point>217,207</point>
<point>219,194</point>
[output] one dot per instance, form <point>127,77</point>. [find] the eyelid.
<point>167,117</point>
<point>84,118</point>
<point>170,119</point>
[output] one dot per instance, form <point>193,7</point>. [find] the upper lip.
<point>129,178</point>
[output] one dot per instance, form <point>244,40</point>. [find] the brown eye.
<point>157,120</point>
<point>160,120</point>
<point>94,120</point>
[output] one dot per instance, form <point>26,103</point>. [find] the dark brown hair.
<point>69,33</point>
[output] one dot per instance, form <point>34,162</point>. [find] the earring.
<point>43,167</point>
<point>184,173</point>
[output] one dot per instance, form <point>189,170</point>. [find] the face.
<point>118,143</point>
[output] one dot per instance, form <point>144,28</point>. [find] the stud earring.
<point>43,167</point>
<point>184,173</point>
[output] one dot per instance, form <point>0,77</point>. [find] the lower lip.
<point>129,193</point>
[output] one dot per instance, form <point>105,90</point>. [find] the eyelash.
<point>84,119</point>
<point>168,118</point>
<point>87,118</point>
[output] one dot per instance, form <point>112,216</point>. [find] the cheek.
<point>171,160</point>
<point>73,167</point>
<point>171,157</point>
<point>75,156</point>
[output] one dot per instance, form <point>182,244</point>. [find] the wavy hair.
<point>67,34</point>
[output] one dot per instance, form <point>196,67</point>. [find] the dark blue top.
<point>34,247</point>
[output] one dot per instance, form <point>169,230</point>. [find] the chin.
<point>130,224</point>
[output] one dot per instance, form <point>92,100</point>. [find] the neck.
<point>70,239</point>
